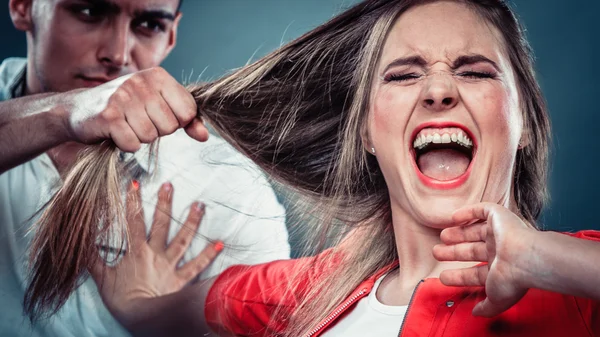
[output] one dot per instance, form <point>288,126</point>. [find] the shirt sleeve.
<point>589,309</point>
<point>259,300</point>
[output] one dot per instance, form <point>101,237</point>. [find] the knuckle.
<point>202,262</point>
<point>178,250</point>
<point>169,127</point>
<point>193,219</point>
<point>163,201</point>
<point>149,133</point>
<point>132,147</point>
<point>135,81</point>
<point>157,72</point>
<point>122,94</point>
<point>193,223</point>
<point>172,126</point>
<point>188,114</point>
<point>211,254</point>
<point>111,114</point>
<point>182,243</point>
<point>188,274</point>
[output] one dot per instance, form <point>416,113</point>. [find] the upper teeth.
<point>453,135</point>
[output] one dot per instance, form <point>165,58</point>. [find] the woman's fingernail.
<point>219,246</point>
<point>135,184</point>
<point>199,206</point>
<point>167,187</point>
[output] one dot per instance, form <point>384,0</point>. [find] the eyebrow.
<point>154,14</point>
<point>459,62</point>
<point>473,59</point>
<point>406,61</point>
<point>106,6</point>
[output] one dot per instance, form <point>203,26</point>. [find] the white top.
<point>369,318</point>
<point>241,209</point>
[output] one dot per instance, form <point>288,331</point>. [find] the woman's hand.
<point>489,233</point>
<point>149,268</point>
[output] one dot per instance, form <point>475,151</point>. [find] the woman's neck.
<point>415,243</point>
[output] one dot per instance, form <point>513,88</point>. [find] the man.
<point>89,76</point>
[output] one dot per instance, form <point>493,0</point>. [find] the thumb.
<point>485,308</point>
<point>197,130</point>
<point>99,271</point>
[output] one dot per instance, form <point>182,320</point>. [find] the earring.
<point>373,150</point>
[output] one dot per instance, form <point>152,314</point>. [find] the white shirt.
<point>241,210</point>
<point>370,317</point>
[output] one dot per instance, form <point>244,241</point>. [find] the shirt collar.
<point>17,89</point>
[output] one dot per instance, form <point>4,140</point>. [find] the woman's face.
<point>445,120</point>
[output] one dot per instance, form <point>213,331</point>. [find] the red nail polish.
<point>135,184</point>
<point>219,246</point>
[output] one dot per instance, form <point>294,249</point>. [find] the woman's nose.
<point>439,93</point>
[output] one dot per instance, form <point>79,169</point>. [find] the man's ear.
<point>173,34</point>
<point>20,14</point>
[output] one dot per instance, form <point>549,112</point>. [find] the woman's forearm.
<point>565,264</point>
<point>176,314</point>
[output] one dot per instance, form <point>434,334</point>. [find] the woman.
<point>419,124</point>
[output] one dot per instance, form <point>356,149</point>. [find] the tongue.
<point>443,164</point>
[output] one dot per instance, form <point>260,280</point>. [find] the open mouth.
<point>443,155</point>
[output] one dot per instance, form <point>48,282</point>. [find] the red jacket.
<point>243,300</point>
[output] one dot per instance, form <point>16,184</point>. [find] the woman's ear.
<point>20,14</point>
<point>525,140</point>
<point>366,140</point>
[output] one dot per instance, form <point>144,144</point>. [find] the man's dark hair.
<point>179,6</point>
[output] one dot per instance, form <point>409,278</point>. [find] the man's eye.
<point>87,13</point>
<point>152,26</point>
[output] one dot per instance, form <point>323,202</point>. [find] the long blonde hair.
<point>298,113</point>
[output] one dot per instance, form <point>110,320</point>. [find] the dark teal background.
<point>217,35</point>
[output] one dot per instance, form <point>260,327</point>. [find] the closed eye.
<point>477,74</point>
<point>401,77</point>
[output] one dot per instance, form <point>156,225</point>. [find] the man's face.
<point>84,43</point>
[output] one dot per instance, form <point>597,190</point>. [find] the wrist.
<point>133,314</point>
<point>59,117</point>
<point>540,271</point>
<point>529,266</point>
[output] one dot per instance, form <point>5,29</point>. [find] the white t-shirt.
<point>241,210</point>
<point>370,318</point>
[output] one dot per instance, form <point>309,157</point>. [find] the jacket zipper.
<point>338,311</point>
<point>408,307</point>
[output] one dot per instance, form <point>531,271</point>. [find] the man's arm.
<point>129,110</point>
<point>30,126</point>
